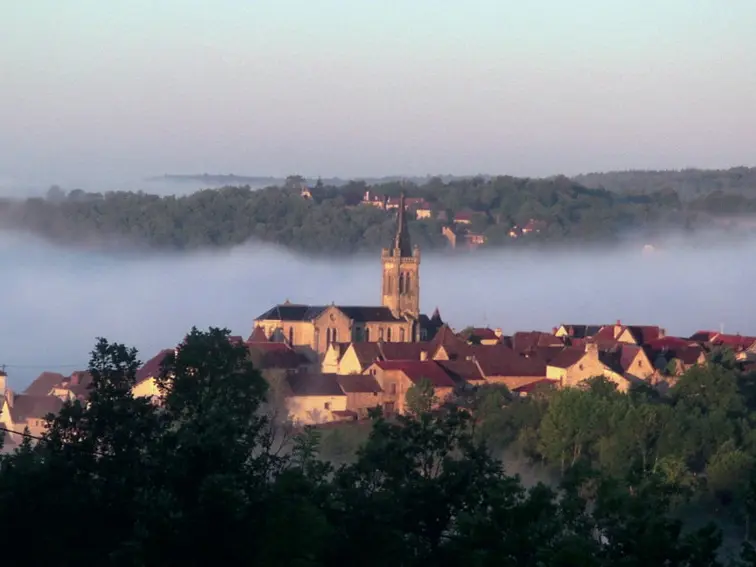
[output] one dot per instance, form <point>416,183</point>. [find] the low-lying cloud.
<point>56,301</point>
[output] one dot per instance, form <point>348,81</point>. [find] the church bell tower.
<point>401,271</point>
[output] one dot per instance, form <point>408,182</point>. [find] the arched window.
<point>401,283</point>
<point>388,335</point>
<point>291,335</point>
<point>401,335</point>
<point>367,335</point>
<point>334,336</point>
<point>380,334</point>
<point>407,287</point>
<point>328,336</point>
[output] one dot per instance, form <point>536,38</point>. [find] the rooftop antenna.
<point>721,328</point>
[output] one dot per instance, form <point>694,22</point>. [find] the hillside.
<point>333,220</point>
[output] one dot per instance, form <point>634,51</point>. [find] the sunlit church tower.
<point>401,272</point>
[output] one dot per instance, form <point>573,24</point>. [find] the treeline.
<point>207,478</point>
<point>333,221</point>
<point>689,184</point>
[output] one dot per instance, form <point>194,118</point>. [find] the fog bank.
<point>56,301</point>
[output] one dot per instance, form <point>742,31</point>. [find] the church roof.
<point>291,312</point>
<point>402,238</point>
<point>363,314</point>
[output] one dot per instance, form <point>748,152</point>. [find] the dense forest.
<point>689,184</point>
<point>211,477</point>
<point>333,220</point>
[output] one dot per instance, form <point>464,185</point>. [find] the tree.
<point>421,397</point>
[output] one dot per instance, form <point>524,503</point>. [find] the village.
<point>334,363</point>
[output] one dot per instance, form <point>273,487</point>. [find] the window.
<point>406,283</point>
<point>401,283</point>
<point>388,335</point>
<point>327,405</point>
<point>334,336</point>
<point>291,335</point>
<point>401,335</point>
<point>423,334</point>
<point>640,363</point>
<point>393,389</point>
<point>328,336</point>
<point>581,367</point>
<point>380,334</point>
<point>367,335</point>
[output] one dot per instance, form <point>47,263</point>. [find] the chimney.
<point>498,332</point>
<point>591,349</point>
<point>617,329</point>
<point>423,355</point>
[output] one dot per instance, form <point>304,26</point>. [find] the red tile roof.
<point>462,370</point>
<point>524,340</point>
<point>482,333</point>
<point>275,355</point>
<point>502,361</point>
<point>314,385</point>
<point>152,367</point>
<point>33,407</point>
<point>44,383</point>
<point>568,357</point>
<point>366,353</point>
<point>415,370</point>
<point>403,351</point>
<point>258,335</point>
<point>358,384</point>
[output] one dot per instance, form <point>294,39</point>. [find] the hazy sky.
<point>120,89</point>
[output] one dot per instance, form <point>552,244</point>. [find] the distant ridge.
<point>266,181</point>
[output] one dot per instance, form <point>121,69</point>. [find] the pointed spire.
<point>402,239</point>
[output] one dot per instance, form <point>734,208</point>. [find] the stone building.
<point>397,319</point>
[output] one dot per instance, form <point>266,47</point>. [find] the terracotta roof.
<point>582,331</point>
<point>568,357</point>
<point>670,342</point>
<point>418,369</point>
<point>525,340</point>
<point>703,336</point>
<point>291,312</point>
<point>275,355</point>
<point>314,385</point>
<point>33,407</point>
<point>483,333</point>
<point>645,333</point>
<point>462,370</point>
<point>403,351</point>
<point>258,335</point>
<point>366,353</point>
<point>44,383</point>
<point>152,367</point>
<point>365,314</point>
<point>736,341</point>
<point>499,360</point>
<point>358,384</point>
<point>236,340</point>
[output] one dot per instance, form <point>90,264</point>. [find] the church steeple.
<point>401,270</point>
<point>402,238</point>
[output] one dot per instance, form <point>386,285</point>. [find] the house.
<point>499,364</point>
<point>464,372</point>
<point>577,331</point>
<point>523,341</point>
<point>145,384</point>
<point>332,358</point>
<point>278,356</point>
<point>357,358</point>
<point>673,355</point>
<point>74,387</point>
<point>464,217</point>
<point>633,360</point>
<point>315,398</point>
<point>362,391</point>
<point>397,377</point>
<point>24,412</point>
<point>482,335</point>
<point>574,365</point>
<point>43,384</point>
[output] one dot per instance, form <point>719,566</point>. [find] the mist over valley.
<point>57,300</point>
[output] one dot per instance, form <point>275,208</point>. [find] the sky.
<point>92,91</point>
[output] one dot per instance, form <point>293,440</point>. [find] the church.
<point>397,319</point>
